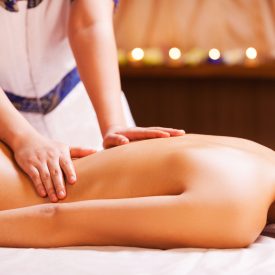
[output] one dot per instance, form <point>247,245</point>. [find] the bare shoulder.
<point>239,171</point>
<point>232,142</point>
<point>229,163</point>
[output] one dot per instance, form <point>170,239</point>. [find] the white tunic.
<point>35,55</point>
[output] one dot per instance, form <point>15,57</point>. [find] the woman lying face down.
<point>189,191</point>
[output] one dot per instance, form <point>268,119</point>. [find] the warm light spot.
<point>137,54</point>
<point>214,54</point>
<point>175,53</point>
<point>251,53</point>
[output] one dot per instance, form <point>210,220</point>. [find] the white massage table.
<point>258,259</point>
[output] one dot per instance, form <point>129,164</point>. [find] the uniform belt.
<point>48,102</point>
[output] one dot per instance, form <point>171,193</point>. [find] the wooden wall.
<point>220,104</point>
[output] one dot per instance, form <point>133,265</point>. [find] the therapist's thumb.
<point>112,140</point>
<point>78,152</point>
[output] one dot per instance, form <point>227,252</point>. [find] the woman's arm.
<point>92,40</point>
<point>146,222</point>
<point>155,222</point>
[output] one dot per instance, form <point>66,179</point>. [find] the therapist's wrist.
<point>19,138</point>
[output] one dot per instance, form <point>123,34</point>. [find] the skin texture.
<point>191,191</point>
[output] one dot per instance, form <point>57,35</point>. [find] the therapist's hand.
<point>118,136</point>
<point>45,161</point>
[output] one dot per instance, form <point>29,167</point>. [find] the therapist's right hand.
<point>45,161</point>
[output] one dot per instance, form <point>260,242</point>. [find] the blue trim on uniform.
<point>33,3</point>
<point>51,100</point>
<point>11,5</point>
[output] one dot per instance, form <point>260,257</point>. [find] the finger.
<point>77,152</point>
<point>144,133</point>
<point>57,178</point>
<point>113,140</point>
<point>171,131</point>
<point>35,177</point>
<point>67,166</point>
<point>47,182</point>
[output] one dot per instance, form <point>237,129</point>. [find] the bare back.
<point>212,170</point>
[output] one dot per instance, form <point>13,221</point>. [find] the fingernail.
<point>179,131</point>
<point>72,179</point>
<point>61,194</point>
<point>43,193</point>
<point>54,198</point>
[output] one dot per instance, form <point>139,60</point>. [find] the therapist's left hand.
<point>119,136</point>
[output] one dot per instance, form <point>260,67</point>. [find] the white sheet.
<point>258,259</point>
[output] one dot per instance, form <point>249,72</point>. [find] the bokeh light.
<point>137,54</point>
<point>175,53</point>
<point>251,53</point>
<point>214,54</point>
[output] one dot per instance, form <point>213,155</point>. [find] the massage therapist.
<point>47,114</point>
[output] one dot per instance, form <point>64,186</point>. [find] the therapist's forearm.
<point>95,51</point>
<point>13,126</point>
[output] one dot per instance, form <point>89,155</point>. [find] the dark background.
<point>227,101</point>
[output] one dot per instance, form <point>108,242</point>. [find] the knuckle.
<point>64,148</point>
<point>29,160</point>
<point>45,176</point>
<point>41,157</point>
<point>34,176</point>
<point>65,161</point>
<point>38,152</point>
<point>51,154</point>
<point>55,172</point>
